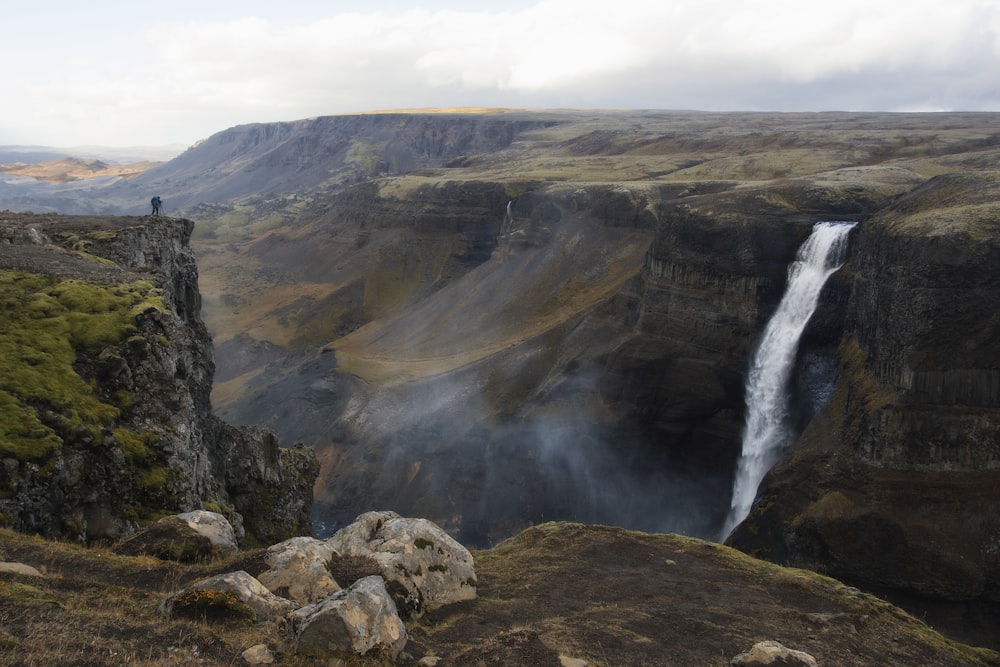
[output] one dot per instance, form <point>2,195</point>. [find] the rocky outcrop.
<point>417,568</point>
<point>895,483</point>
<point>424,566</point>
<point>125,429</point>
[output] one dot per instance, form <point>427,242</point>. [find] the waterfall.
<point>508,220</point>
<point>767,431</point>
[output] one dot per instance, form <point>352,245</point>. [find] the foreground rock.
<point>418,562</point>
<point>564,595</point>
<point>187,537</point>
<point>359,618</point>
<point>773,654</point>
<point>424,567</point>
<point>299,569</point>
<point>197,600</point>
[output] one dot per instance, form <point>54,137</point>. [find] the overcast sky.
<point>137,73</point>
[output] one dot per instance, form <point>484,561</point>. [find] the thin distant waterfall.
<point>767,432</point>
<point>508,220</point>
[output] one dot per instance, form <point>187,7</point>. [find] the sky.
<point>127,73</point>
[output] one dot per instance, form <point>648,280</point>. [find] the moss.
<point>25,594</point>
<point>368,156</point>
<point>421,543</point>
<point>854,365</point>
<point>212,606</point>
<point>830,506</point>
<point>135,446</point>
<point>155,478</point>
<point>48,326</point>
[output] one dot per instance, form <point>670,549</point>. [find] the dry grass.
<point>604,595</point>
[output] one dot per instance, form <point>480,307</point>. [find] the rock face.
<point>895,484</point>
<point>149,441</point>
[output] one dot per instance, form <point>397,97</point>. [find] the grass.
<point>49,325</point>
<point>606,595</point>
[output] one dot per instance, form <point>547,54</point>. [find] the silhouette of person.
<point>156,201</point>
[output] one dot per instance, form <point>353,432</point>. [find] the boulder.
<point>299,570</point>
<point>188,537</point>
<point>258,655</point>
<point>424,567</point>
<point>170,538</point>
<point>358,619</point>
<point>773,654</point>
<point>20,568</point>
<point>246,592</point>
<point>216,528</point>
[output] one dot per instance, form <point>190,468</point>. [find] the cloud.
<point>709,54</point>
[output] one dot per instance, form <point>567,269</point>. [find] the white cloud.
<point>198,77</point>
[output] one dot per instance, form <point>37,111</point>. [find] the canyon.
<point>585,358</point>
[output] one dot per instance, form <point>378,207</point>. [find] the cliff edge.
<point>105,415</point>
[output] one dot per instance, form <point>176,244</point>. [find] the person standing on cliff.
<point>156,201</point>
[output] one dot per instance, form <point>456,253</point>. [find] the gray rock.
<point>216,528</point>
<point>773,654</point>
<point>359,618</point>
<point>20,568</point>
<point>258,655</point>
<point>265,605</point>
<point>424,566</point>
<point>298,570</point>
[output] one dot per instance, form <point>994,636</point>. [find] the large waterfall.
<point>767,431</point>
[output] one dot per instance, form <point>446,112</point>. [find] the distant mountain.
<point>115,154</point>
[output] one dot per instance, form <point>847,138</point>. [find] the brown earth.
<point>69,169</point>
<point>603,596</point>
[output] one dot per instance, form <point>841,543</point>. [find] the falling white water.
<point>767,431</point>
<point>508,220</point>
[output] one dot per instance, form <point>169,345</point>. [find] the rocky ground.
<point>556,594</point>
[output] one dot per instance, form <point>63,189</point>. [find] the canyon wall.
<point>895,484</point>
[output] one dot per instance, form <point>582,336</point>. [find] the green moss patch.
<point>48,326</point>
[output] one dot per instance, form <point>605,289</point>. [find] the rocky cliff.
<point>894,484</point>
<point>108,369</point>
